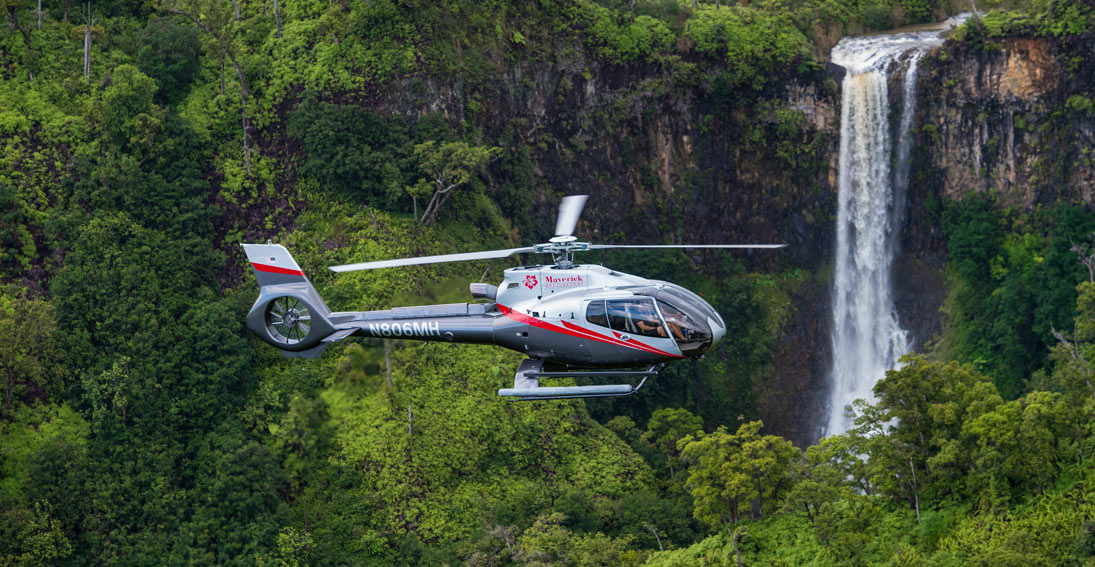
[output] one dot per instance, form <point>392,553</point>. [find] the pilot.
<point>675,320</point>
<point>647,320</point>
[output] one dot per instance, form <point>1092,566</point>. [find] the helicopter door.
<point>627,321</point>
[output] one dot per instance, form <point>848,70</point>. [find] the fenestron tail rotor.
<point>562,246</point>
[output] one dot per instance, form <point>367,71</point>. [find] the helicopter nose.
<point>717,331</point>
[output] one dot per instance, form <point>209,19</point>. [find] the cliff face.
<point>670,152</point>
<point>1001,121</point>
<point>1014,122</point>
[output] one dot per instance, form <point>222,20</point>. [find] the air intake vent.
<point>484,291</point>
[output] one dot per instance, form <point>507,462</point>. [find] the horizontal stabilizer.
<point>563,392</point>
<point>339,335</point>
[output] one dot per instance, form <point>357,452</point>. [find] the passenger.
<point>675,328</point>
<point>675,320</point>
<point>647,321</point>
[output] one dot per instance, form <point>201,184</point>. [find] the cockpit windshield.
<point>690,335</point>
<point>686,296</point>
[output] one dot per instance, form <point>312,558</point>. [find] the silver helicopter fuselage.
<point>585,316</point>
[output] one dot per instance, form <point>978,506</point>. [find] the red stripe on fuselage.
<point>581,332</point>
<point>276,269</point>
<point>629,343</point>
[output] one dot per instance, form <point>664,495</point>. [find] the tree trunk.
<point>916,491</point>
<point>277,18</point>
<point>39,15</point>
<point>654,531</point>
<point>388,362</point>
<point>439,197</point>
<point>1080,439</point>
<point>28,56</point>
<point>735,536</point>
<point>245,92</point>
<point>9,391</point>
<point>236,5</point>
<point>87,50</point>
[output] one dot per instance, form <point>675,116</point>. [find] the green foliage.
<point>1005,23</point>
<point>42,540</point>
<point>353,150</point>
<point>141,425</point>
<point>17,247</point>
<point>667,427</point>
<point>918,11</point>
<point>237,482</point>
<point>26,432</point>
<point>1061,18</point>
<point>446,167</point>
<point>756,44</point>
<point>168,53</point>
<point>619,41</point>
<point>548,542</point>
<point>727,472</point>
<point>1080,104</point>
<point>27,351</point>
<point>1016,282</point>
<point>876,15</point>
<point>930,402</point>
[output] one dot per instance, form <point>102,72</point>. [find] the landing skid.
<point>526,383</point>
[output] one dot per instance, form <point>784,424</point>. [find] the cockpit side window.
<point>595,313</point>
<point>635,316</point>
<point>690,335</point>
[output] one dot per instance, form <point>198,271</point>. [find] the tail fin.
<point>273,264</point>
<point>289,313</point>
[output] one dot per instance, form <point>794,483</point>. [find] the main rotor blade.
<point>569,211</point>
<point>746,246</point>
<point>486,254</point>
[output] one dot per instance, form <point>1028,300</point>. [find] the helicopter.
<point>570,320</point>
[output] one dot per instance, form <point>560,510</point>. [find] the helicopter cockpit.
<point>652,317</point>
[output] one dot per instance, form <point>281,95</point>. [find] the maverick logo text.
<point>556,282</point>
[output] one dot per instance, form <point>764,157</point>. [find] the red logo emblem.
<point>530,281</point>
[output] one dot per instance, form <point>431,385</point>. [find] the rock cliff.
<point>1012,119</point>
<point>670,152</point>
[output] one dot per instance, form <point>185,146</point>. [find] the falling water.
<point>874,171</point>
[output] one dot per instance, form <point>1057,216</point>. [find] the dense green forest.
<point>141,424</point>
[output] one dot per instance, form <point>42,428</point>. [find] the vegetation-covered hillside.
<point>141,424</point>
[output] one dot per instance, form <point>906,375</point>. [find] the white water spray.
<point>866,337</point>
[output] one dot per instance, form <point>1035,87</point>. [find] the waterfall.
<point>873,177</point>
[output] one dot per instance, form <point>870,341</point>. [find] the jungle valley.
<point>144,140</point>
